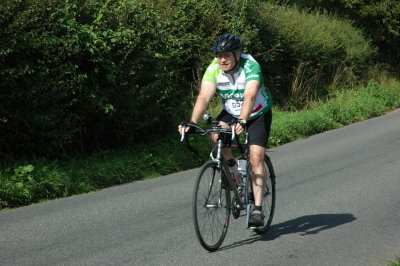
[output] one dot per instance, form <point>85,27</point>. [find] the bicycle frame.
<point>243,203</point>
<point>230,178</point>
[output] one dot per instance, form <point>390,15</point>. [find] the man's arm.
<point>207,90</point>
<point>250,94</point>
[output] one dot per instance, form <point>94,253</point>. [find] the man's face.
<point>226,60</point>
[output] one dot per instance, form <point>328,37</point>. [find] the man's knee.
<point>257,160</point>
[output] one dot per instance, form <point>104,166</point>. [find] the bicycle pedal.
<point>253,227</point>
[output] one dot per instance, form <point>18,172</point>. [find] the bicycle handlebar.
<point>194,128</point>
<point>216,129</point>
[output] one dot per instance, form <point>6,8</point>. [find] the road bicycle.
<point>212,203</point>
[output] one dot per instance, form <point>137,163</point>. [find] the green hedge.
<point>379,19</point>
<point>82,75</point>
<point>311,48</point>
<point>27,181</point>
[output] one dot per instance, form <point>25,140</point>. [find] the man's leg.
<point>258,175</point>
<point>257,154</point>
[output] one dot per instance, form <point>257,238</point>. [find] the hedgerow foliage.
<point>316,43</point>
<point>84,75</point>
<point>378,18</point>
<point>27,181</point>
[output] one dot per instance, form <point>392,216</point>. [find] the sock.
<point>257,208</point>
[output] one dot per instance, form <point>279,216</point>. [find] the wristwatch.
<point>242,122</point>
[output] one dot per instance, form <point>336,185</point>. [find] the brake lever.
<point>183,133</point>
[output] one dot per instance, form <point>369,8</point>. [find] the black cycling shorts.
<point>258,128</point>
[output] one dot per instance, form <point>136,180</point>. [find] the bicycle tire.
<point>268,205</point>
<point>211,206</point>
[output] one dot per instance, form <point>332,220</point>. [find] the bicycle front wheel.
<point>211,206</point>
<point>268,203</point>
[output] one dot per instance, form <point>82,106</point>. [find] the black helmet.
<point>227,42</point>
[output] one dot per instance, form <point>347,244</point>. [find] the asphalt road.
<point>338,204</point>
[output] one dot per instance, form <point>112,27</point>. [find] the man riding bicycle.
<point>237,78</point>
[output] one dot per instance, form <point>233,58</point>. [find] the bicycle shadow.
<point>305,225</point>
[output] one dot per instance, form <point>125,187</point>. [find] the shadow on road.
<point>305,225</point>
<point>308,225</point>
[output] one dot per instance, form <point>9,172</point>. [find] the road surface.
<point>338,203</point>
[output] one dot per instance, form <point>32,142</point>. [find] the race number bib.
<point>234,106</point>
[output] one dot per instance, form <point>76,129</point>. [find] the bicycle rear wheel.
<point>268,205</point>
<point>211,206</point>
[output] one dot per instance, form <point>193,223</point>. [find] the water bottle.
<point>242,165</point>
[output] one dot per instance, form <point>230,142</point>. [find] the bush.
<point>290,126</point>
<point>316,42</point>
<point>355,105</point>
<point>23,182</point>
<point>88,76</point>
<point>79,76</point>
<point>344,107</point>
<point>378,19</point>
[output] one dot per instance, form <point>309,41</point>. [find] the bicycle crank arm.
<point>213,206</point>
<point>247,216</point>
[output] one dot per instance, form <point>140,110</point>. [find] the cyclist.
<point>237,79</point>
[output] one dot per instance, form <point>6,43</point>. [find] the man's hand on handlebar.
<point>240,126</point>
<point>239,129</point>
<point>186,126</point>
<point>180,128</point>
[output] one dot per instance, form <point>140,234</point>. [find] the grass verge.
<point>396,262</point>
<point>27,181</point>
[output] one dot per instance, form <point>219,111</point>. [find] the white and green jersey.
<point>231,90</point>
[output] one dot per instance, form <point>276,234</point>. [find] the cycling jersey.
<point>231,90</point>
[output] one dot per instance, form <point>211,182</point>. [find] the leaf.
<point>19,185</point>
<point>24,169</point>
<point>108,108</point>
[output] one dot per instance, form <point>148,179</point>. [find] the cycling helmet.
<point>227,42</point>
